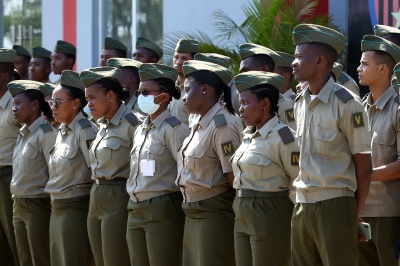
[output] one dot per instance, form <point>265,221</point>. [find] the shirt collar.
<point>33,127</point>
<point>205,120</point>
<point>117,117</point>
<point>73,125</point>
<point>385,97</point>
<point>4,100</point>
<point>325,92</point>
<point>263,131</point>
<point>158,121</point>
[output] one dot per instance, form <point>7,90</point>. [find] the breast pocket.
<point>156,151</point>
<point>28,158</point>
<point>383,149</point>
<point>258,166</point>
<point>107,147</point>
<point>323,138</point>
<point>194,158</point>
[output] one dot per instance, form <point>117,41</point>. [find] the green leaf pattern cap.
<point>191,66</point>
<point>92,75</point>
<point>149,71</point>
<point>18,86</point>
<point>248,80</point>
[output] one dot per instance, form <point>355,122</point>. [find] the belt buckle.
<point>240,193</point>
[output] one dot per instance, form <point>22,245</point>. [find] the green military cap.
<point>337,69</point>
<point>63,47</point>
<point>187,45</point>
<point>110,43</point>
<point>156,71</point>
<point>49,88</point>
<point>40,52</point>
<point>251,49</point>
<point>71,79</point>
<point>143,42</point>
<point>7,55</point>
<point>191,66</point>
<point>248,80</point>
<point>395,84</point>
<point>397,71</point>
<point>286,60</point>
<point>17,86</point>
<point>92,75</point>
<point>21,50</point>
<point>221,60</point>
<point>381,30</point>
<point>375,43</point>
<point>123,62</point>
<point>307,33</point>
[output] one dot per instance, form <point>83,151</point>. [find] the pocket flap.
<point>29,153</point>
<point>197,152</point>
<point>113,143</point>
<point>159,149</point>
<point>383,138</point>
<point>258,159</point>
<point>325,134</point>
<point>70,153</point>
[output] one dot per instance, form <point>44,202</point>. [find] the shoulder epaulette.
<point>219,120</point>
<point>293,97</point>
<point>286,135</point>
<point>132,119</point>
<point>396,99</point>
<point>342,78</point>
<point>46,127</point>
<point>173,121</point>
<point>344,95</point>
<point>84,123</point>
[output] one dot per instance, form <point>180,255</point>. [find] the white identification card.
<point>148,167</point>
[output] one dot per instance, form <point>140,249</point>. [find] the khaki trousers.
<point>8,248</point>
<point>106,223</point>
<point>262,231</point>
<point>155,230</point>
<point>69,240</point>
<point>31,219</point>
<point>385,231</point>
<point>325,233</point>
<point>208,236</point>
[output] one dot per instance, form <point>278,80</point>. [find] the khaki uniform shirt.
<point>204,156</point>
<point>157,140</point>
<point>109,152</point>
<point>133,105</point>
<point>69,166</point>
<point>31,159</point>
<point>330,129</point>
<point>9,129</point>
<point>177,108</point>
<point>263,162</point>
<point>285,112</point>
<point>348,82</point>
<point>384,127</point>
<point>290,94</point>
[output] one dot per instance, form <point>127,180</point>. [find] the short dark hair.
<point>71,56</point>
<point>169,87</point>
<point>285,70</point>
<point>133,71</point>
<point>113,84</point>
<point>152,54</point>
<point>76,93</point>
<point>381,57</point>
<point>120,53</point>
<point>26,58</point>
<point>393,37</point>
<point>7,67</point>
<point>44,106</point>
<point>264,60</point>
<point>263,91</point>
<point>326,51</point>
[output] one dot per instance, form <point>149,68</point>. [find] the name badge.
<point>148,167</point>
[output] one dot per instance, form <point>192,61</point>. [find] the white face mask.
<point>147,105</point>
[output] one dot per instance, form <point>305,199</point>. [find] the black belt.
<point>6,170</point>
<point>242,193</point>
<point>116,181</point>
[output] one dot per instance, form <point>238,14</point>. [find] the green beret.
<point>7,55</point>
<point>286,60</point>
<point>63,47</point>
<point>143,42</point>
<point>381,30</point>
<point>337,69</point>
<point>397,71</point>
<point>17,86</point>
<point>123,62</point>
<point>186,45</point>
<point>156,71</point>
<point>307,33</point>
<point>191,66</point>
<point>110,43</point>
<point>21,50</point>
<point>251,49</point>
<point>395,84</point>
<point>248,80</point>
<point>92,75</point>
<point>221,60</point>
<point>71,79</point>
<point>40,52</point>
<point>375,43</point>
<point>49,88</point>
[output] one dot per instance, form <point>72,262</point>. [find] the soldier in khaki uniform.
<point>265,165</point>
<point>259,58</point>
<point>204,171</point>
<point>342,78</point>
<point>284,68</point>
<point>31,214</point>
<point>21,62</point>
<point>70,176</point>
<point>48,91</point>
<point>389,33</point>
<point>335,164</point>
<point>112,48</point>
<point>109,160</point>
<point>9,129</point>
<point>39,66</point>
<point>147,51</point>
<point>185,50</point>
<point>155,200</point>
<point>63,57</point>
<point>129,79</point>
<point>382,207</point>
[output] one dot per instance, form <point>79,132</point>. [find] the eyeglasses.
<point>56,103</point>
<point>146,93</point>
